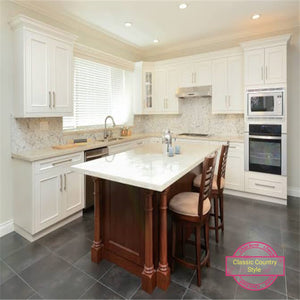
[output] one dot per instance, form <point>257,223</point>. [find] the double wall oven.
<point>265,149</point>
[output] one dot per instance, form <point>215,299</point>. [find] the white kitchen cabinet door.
<point>203,73</point>
<point>37,74</point>
<point>160,95</point>
<point>254,67</point>
<point>48,203</point>
<point>171,103</point>
<point>187,75</point>
<point>275,64</point>
<point>73,192</point>
<point>62,70</point>
<point>219,86</point>
<point>235,100</point>
<point>235,167</point>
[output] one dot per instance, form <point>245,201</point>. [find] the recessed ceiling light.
<point>255,17</point>
<point>128,24</point>
<point>155,41</point>
<point>183,6</point>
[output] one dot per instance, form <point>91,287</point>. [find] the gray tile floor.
<point>48,268</point>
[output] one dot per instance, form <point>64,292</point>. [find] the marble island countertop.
<point>49,152</point>
<point>147,166</point>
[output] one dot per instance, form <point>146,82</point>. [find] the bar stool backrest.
<point>222,164</point>
<point>206,180</point>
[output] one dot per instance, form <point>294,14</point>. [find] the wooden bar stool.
<point>217,191</point>
<point>192,210</point>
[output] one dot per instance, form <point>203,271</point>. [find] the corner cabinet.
<point>43,69</point>
<point>227,85</point>
<point>47,193</point>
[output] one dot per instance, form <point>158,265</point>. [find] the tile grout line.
<point>134,292</point>
<point>108,287</point>
<point>87,290</point>
<point>20,277</point>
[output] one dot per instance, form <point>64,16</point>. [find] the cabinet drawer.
<point>57,162</point>
<point>236,147</point>
<point>266,184</point>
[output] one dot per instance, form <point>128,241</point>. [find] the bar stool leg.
<point>207,242</point>
<point>216,211</point>
<point>198,253</point>
<point>222,210</point>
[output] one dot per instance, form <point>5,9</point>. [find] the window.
<point>99,91</point>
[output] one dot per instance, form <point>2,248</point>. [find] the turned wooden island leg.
<point>163,272</point>
<point>148,274</point>
<point>97,247</point>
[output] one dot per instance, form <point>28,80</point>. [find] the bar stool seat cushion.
<point>187,204</point>
<point>198,178</point>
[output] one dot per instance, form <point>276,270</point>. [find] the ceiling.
<point>163,20</point>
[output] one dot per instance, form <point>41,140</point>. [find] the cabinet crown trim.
<point>265,42</point>
<point>22,21</point>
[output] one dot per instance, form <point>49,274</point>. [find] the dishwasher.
<point>89,185</point>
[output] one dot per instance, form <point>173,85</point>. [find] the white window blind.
<point>99,90</point>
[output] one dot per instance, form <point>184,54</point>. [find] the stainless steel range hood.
<point>193,92</point>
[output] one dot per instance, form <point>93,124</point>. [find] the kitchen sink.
<point>111,139</point>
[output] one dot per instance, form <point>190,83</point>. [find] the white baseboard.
<point>294,191</point>
<point>6,227</point>
<point>255,197</point>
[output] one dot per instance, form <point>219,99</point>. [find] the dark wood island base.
<point>131,229</point>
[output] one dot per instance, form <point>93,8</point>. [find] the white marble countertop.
<point>147,166</point>
<point>39,154</point>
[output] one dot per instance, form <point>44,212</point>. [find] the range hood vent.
<point>193,92</point>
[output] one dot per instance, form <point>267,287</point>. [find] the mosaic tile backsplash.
<point>196,116</point>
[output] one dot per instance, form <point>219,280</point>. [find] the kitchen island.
<point>131,194</point>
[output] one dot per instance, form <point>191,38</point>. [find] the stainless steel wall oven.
<point>265,149</point>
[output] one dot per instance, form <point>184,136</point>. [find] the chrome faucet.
<point>106,135</point>
<point>167,138</point>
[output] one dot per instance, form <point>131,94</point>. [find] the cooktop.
<point>194,134</point>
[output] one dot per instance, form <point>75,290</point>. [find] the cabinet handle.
<point>53,99</point>
<point>60,188</point>
<point>262,73</point>
<point>195,77</point>
<point>232,147</point>
<point>266,72</point>
<point>166,102</point>
<point>228,100</point>
<point>61,162</point>
<point>265,185</point>
<point>50,100</point>
<point>65,182</point>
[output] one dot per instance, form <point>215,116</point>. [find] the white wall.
<point>293,99</point>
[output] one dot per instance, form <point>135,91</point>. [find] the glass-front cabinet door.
<point>148,90</point>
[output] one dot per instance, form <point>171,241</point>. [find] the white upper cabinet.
<point>44,69</point>
<point>195,74</point>
<point>275,64</point>
<point>62,76</point>
<point>155,90</point>
<point>254,67</point>
<point>166,84</point>
<point>227,85</point>
<point>266,61</point>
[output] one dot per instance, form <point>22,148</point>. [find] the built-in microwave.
<point>265,102</point>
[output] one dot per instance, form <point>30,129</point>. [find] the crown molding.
<point>91,30</point>
<point>102,57</point>
<point>216,43</point>
<point>22,21</point>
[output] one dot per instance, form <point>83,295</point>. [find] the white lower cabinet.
<point>114,149</point>
<point>47,192</point>
<point>235,167</point>
<point>266,184</point>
